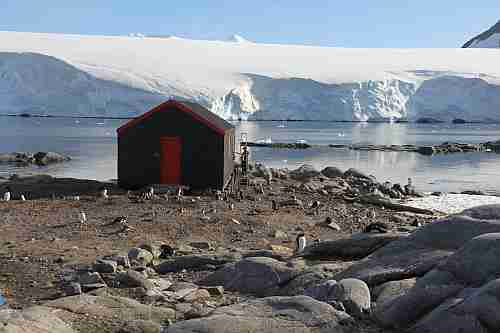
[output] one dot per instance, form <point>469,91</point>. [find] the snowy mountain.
<point>126,75</point>
<point>488,39</point>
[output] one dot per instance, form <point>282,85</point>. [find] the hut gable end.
<point>199,113</point>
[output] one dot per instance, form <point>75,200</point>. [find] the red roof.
<point>197,111</point>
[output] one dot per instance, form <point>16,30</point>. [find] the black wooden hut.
<point>176,143</point>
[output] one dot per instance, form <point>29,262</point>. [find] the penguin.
<point>23,198</point>
<point>83,217</point>
<point>104,193</point>
<point>7,194</point>
<point>275,205</point>
<point>315,204</point>
<point>301,242</point>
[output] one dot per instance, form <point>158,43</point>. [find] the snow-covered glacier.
<point>124,76</point>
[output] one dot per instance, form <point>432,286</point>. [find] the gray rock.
<point>356,247</point>
<point>304,173</point>
<point>154,249</point>
<point>38,319</point>
<point>422,250</point>
<point>133,279</point>
<point>332,172</point>
<point>72,289</point>
<point>391,290</point>
<point>87,278</point>
<point>354,294</point>
<point>474,265</point>
<point>322,292</point>
<point>215,291</point>
<point>140,326</point>
<point>261,276</point>
<point>194,262</point>
<point>140,256</point>
<point>355,173</point>
<point>121,260</point>
<point>201,245</point>
<point>298,314</point>
<point>311,276</point>
<point>264,253</point>
<point>105,266</point>
<point>112,307</point>
<point>472,311</point>
<point>161,284</point>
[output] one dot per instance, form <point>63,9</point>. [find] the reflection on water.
<point>93,149</point>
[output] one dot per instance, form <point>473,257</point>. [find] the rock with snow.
<point>487,39</point>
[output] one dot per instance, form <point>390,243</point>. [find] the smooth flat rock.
<point>38,319</point>
<point>425,248</point>
<point>299,314</point>
<point>391,290</point>
<point>261,276</point>
<point>473,311</point>
<point>473,266</point>
<point>125,309</point>
<point>194,262</point>
<point>356,247</point>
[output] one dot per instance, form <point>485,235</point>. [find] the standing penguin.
<point>104,193</point>
<point>300,242</point>
<point>7,194</point>
<point>83,217</point>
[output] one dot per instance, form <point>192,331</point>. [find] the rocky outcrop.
<point>261,276</point>
<point>425,248</point>
<point>270,315</point>
<point>38,319</point>
<point>39,158</point>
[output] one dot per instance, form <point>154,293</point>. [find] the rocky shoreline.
<point>204,263</point>
<point>39,158</point>
<point>444,148</point>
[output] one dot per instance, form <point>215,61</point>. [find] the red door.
<point>170,164</point>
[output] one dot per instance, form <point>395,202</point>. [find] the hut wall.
<point>202,156</point>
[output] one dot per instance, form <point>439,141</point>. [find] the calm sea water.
<point>92,145</point>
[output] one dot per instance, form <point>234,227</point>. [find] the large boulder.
<point>299,314</point>
<point>195,262</point>
<point>356,247</point>
<point>304,173</point>
<point>355,173</point>
<point>391,290</point>
<point>472,311</point>
<point>261,276</point>
<point>309,277</point>
<point>425,248</point>
<point>332,172</point>
<point>38,319</point>
<point>113,307</point>
<point>473,266</point>
<point>354,294</point>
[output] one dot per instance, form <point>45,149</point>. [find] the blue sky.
<point>361,23</point>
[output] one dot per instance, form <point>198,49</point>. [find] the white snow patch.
<point>452,203</point>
